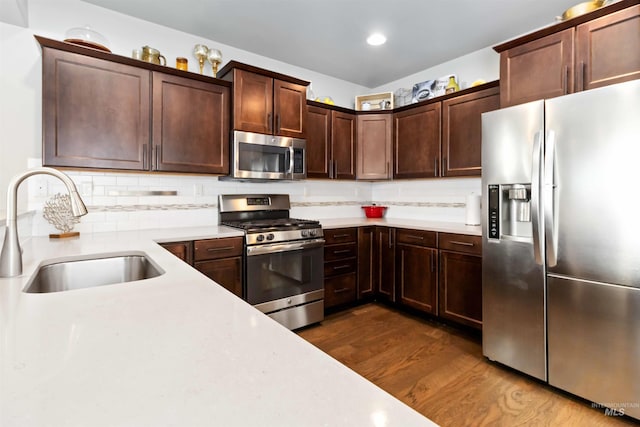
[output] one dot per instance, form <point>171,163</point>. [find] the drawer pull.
<point>337,291</point>
<point>455,242</point>
<point>226,248</point>
<point>342,267</point>
<point>342,251</point>
<point>340,236</point>
<point>415,237</point>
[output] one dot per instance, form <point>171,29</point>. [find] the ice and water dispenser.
<point>510,211</point>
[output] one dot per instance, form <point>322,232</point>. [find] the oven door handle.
<point>284,247</point>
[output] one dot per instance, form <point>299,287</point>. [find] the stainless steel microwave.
<point>268,157</point>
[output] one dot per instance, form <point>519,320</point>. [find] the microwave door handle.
<point>288,155</point>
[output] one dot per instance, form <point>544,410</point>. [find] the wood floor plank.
<point>440,371</point>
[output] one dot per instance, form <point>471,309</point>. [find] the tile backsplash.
<point>196,197</point>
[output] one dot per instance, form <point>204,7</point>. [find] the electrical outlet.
<point>198,190</point>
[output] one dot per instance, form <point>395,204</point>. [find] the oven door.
<point>282,275</point>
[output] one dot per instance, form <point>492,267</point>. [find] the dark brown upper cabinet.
<point>190,125</point>
<point>417,141</point>
<point>331,143</point>
<point>462,131</point>
<point>589,51</point>
<point>266,102</point>
<point>375,143</point>
<point>106,111</point>
<point>442,137</point>
<point>96,114</point>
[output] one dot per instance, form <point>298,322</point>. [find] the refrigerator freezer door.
<point>594,342</point>
<point>513,284</point>
<point>592,200</point>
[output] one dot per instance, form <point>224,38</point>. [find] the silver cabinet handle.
<point>343,251</point>
<point>455,242</point>
<point>536,163</point>
<point>226,248</point>
<point>339,236</point>
<point>338,291</point>
<point>410,236</point>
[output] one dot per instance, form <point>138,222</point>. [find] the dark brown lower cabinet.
<point>461,288</point>
<point>460,285</point>
<point>366,266</point>
<point>384,263</point>
<point>226,272</point>
<point>183,250</point>
<point>221,261</point>
<point>417,269</point>
<point>340,266</point>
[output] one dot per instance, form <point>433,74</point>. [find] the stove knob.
<point>305,233</point>
<point>312,233</point>
<point>270,236</point>
<point>260,238</point>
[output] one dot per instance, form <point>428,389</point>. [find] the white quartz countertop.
<point>443,227</point>
<point>175,350</point>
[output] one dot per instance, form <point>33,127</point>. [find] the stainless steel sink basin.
<point>98,270</point>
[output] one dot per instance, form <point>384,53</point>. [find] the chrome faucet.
<point>11,255</point>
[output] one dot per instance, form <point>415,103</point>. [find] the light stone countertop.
<point>443,227</point>
<point>175,350</point>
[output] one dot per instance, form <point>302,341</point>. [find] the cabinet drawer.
<point>218,248</point>
<point>340,290</point>
<point>461,243</point>
<point>334,268</point>
<point>340,235</point>
<point>334,252</point>
<point>417,237</point>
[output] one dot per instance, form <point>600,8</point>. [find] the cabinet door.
<point>542,68</point>
<point>343,145</point>
<point>416,277</point>
<point>252,102</point>
<point>190,125</point>
<point>608,49</point>
<point>374,146</point>
<point>462,131</point>
<point>225,271</point>
<point>460,285</point>
<point>385,263</point>
<point>366,257</point>
<point>417,142</point>
<point>96,113</point>
<point>290,109</point>
<point>318,141</point>
<point>183,250</point>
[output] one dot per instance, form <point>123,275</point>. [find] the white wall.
<point>21,130</point>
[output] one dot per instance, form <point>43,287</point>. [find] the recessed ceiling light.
<point>376,39</point>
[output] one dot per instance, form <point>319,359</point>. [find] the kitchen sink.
<point>97,270</point>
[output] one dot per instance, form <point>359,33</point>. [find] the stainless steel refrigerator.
<point>561,242</point>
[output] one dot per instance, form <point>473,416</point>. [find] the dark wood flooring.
<point>440,371</point>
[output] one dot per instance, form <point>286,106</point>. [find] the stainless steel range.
<point>284,257</point>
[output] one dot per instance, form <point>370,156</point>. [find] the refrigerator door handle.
<point>538,237</point>
<point>550,222</point>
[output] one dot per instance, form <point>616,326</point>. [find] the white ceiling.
<point>328,36</point>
